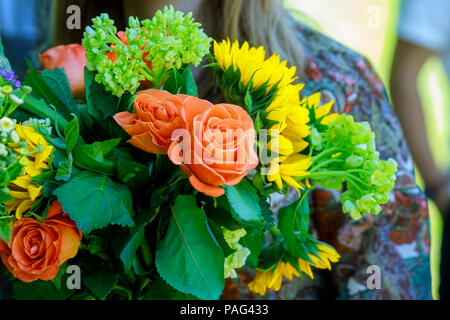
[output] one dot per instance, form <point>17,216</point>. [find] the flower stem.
<point>324,153</point>
<point>127,292</point>
<point>147,76</point>
<point>146,253</point>
<point>325,163</point>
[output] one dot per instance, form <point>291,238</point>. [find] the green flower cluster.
<point>174,39</point>
<point>43,126</point>
<point>168,41</point>
<point>348,154</point>
<point>127,71</point>
<point>239,256</point>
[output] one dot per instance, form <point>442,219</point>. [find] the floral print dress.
<point>398,239</point>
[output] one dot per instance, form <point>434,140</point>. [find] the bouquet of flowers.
<point>113,170</point>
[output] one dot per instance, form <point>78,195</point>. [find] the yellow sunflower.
<point>252,62</point>
<point>25,193</point>
<point>287,169</point>
<point>272,279</point>
<point>287,137</point>
<point>322,113</point>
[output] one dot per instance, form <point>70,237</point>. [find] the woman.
<point>397,240</point>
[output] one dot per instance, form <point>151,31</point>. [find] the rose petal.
<point>145,142</point>
<point>192,107</point>
<point>207,189</point>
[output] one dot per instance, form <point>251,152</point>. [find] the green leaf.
<point>160,290</point>
<point>253,242</point>
<point>64,170</point>
<point>41,178</point>
<point>271,254</point>
<point>71,132</point>
<point>132,173</point>
<point>181,81</point>
<point>218,236</point>
<point>218,210</point>
<point>94,201</point>
<point>190,86</point>
<point>267,213</point>
<point>56,80</point>
<point>248,102</point>
<point>101,281</point>
<point>50,88</point>
<point>174,82</point>
<point>39,108</point>
<point>244,203</point>
<point>128,254</point>
<point>56,142</point>
<point>188,258</point>
<point>39,290</point>
<point>5,196</point>
<point>101,104</point>
<point>5,229</point>
<point>10,174</point>
<point>293,222</point>
<point>93,156</point>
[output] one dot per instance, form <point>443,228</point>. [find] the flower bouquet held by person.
<point>110,159</point>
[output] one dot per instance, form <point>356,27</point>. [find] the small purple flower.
<point>10,77</point>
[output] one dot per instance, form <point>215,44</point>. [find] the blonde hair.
<point>260,22</point>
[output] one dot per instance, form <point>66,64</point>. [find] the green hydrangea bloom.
<point>349,155</point>
<point>239,256</point>
<point>169,40</point>
<point>174,39</point>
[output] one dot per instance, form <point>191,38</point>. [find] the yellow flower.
<point>287,168</point>
<point>326,255</point>
<point>322,112</point>
<point>287,137</point>
<point>272,279</point>
<point>25,193</point>
<point>285,108</point>
<point>296,124</point>
<point>279,144</point>
<point>252,62</point>
<point>260,282</point>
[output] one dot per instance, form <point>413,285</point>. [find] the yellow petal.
<point>324,110</point>
<point>326,120</point>
<point>24,206</point>
<point>313,100</point>
<point>19,194</point>
<point>22,181</point>
<point>34,191</point>
<point>305,267</point>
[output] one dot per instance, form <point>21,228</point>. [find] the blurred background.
<point>368,26</point>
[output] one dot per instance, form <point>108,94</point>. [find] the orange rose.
<point>217,147</point>
<point>37,249</point>
<point>72,58</point>
<point>158,114</point>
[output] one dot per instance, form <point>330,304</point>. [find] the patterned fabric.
<point>396,240</point>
